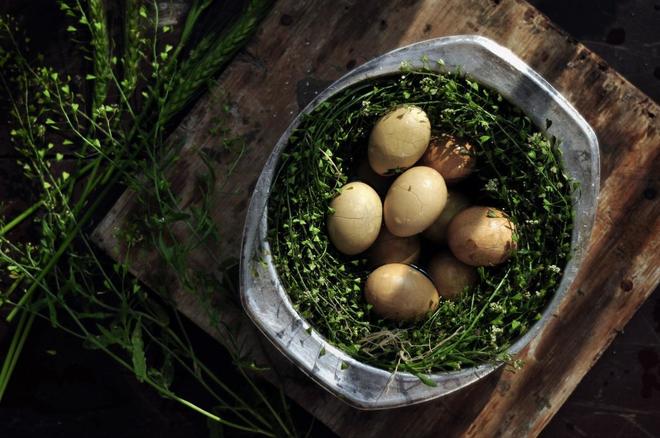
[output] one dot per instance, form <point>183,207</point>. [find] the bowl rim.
<point>254,240</point>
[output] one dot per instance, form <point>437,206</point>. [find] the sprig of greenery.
<point>134,44</point>
<point>519,171</point>
<point>211,53</point>
<point>60,276</point>
<point>100,41</point>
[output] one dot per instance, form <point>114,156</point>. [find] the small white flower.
<point>491,185</point>
<point>496,307</point>
<point>494,331</point>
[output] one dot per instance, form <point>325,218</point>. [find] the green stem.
<point>20,218</point>
<point>266,402</point>
<point>63,247</point>
<point>15,348</point>
<point>151,383</point>
<point>218,419</point>
<point>202,382</point>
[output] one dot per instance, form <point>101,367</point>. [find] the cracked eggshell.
<point>356,220</point>
<point>389,248</point>
<point>400,292</point>
<point>414,201</point>
<point>451,156</point>
<point>481,236</point>
<point>398,139</point>
<point>451,276</point>
<point>456,202</point>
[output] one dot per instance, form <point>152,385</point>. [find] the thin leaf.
<point>139,359</point>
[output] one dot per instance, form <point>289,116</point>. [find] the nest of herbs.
<point>519,171</point>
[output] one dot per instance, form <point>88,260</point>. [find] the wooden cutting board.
<point>304,45</point>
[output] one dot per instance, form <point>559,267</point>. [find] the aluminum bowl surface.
<point>266,301</point>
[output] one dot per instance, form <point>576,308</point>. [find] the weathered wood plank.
<point>300,48</point>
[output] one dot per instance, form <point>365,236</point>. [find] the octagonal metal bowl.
<point>266,301</point>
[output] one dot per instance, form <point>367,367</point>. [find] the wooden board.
<point>304,45</point>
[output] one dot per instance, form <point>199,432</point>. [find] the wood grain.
<point>299,49</point>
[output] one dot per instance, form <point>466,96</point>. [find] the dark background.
<point>63,390</point>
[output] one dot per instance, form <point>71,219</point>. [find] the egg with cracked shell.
<point>400,292</point>
<point>389,248</point>
<point>414,201</point>
<point>481,236</point>
<point>451,276</point>
<point>451,156</point>
<point>456,202</point>
<point>356,218</point>
<point>398,139</point>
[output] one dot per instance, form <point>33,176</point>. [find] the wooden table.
<point>304,45</point>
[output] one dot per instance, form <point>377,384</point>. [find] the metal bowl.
<point>267,302</point>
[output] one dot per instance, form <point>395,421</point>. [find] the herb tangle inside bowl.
<point>307,298</point>
<point>519,171</point>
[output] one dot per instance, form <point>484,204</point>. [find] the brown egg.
<point>389,248</point>
<point>400,292</point>
<point>398,139</point>
<point>377,182</point>
<point>357,218</point>
<point>451,156</point>
<point>451,276</point>
<point>456,202</point>
<point>414,201</point>
<point>481,236</point>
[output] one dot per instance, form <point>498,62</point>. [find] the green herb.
<point>111,128</point>
<point>519,172</point>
